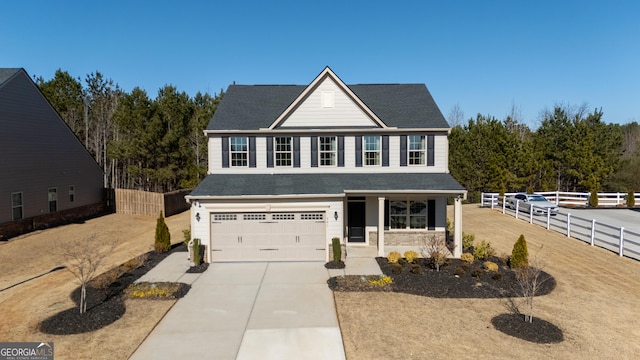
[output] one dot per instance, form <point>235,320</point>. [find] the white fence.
<point>613,238</point>
<point>568,199</point>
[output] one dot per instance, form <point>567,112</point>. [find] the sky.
<point>483,57</point>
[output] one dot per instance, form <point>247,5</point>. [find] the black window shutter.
<point>296,151</point>
<point>269,151</point>
<point>386,214</point>
<point>225,151</point>
<point>385,150</point>
<point>430,148</point>
<point>340,151</point>
<point>252,151</point>
<point>314,151</point>
<point>431,214</point>
<point>403,150</point>
<point>358,151</point>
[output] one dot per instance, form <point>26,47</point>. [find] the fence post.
<point>557,198</point>
<point>548,218</point>
<point>593,231</point>
<point>504,204</point>
<point>481,199</point>
<point>517,206</point>
<point>568,224</point>
<point>531,213</point>
<point>621,241</point>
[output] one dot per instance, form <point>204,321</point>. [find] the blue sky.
<point>485,56</point>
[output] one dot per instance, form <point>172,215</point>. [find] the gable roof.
<point>236,185</point>
<point>7,73</point>
<point>253,107</point>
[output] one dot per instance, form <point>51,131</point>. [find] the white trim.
<point>387,130</point>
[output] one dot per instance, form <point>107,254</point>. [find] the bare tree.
<point>83,259</point>
<point>530,279</point>
<point>435,248</point>
<point>456,116</point>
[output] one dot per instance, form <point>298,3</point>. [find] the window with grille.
<point>255,217</point>
<point>16,205</point>
<point>238,151</point>
<point>225,217</point>
<point>328,150</point>
<point>372,150</point>
<point>417,150</point>
<point>312,216</point>
<point>407,214</point>
<point>283,216</point>
<point>283,151</point>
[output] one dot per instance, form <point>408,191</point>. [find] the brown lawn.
<point>595,303</point>
<point>24,306</point>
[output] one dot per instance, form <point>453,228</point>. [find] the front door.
<point>356,222</point>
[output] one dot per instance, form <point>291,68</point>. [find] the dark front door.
<point>356,222</point>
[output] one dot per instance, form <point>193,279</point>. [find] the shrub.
<point>197,252</point>
<point>381,281</point>
<point>490,266</point>
<point>631,199</point>
<point>460,271</point>
<point>396,268</point>
<point>593,198</point>
<point>477,272</point>
<point>393,257</point>
<point>163,237</point>
<point>520,254</point>
<point>496,276</point>
<point>416,269</point>
<point>337,249</point>
<point>483,250</point>
<point>467,257</point>
<point>411,256</point>
<point>529,189</point>
<point>467,241</point>
<point>186,236</point>
<point>435,248</point>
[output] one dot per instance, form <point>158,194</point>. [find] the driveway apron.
<point>278,310</point>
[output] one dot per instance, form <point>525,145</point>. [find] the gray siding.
<point>38,151</point>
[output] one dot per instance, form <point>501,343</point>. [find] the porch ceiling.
<point>234,185</point>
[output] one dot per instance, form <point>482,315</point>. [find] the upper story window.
<point>283,151</point>
<point>372,150</point>
<point>417,150</point>
<point>16,205</point>
<point>328,150</point>
<point>239,151</point>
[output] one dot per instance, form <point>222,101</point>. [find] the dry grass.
<point>594,304</point>
<point>24,306</point>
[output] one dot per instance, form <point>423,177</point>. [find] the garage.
<point>263,236</point>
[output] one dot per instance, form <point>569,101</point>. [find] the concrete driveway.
<point>280,310</point>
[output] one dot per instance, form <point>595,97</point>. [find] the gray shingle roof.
<point>321,184</point>
<point>250,107</point>
<point>7,73</point>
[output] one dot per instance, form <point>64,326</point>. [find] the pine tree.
<point>163,237</point>
<point>520,254</point>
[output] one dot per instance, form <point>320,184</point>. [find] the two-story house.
<point>293,166</point>
<point>46,174</point>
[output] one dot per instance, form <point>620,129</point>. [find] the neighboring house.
<point>292,166</point>
<point>44,169</point>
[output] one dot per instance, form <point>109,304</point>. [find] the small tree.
<point>337,249</point>
<point>530,279</point>
<point>520,254</point>
<point>593,198</point>
<point>83,257</point>
<point>197,252</point>
<point>436,249</point>
<point>631,199</point>
<point>163,236</point>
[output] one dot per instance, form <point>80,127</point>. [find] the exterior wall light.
<point>198,217</point>
<point>335,215</point>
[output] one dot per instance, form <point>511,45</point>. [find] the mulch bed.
<point>198,269</point>
<point>334,265</point>
<point>105,304</point>
<point>457,279</point>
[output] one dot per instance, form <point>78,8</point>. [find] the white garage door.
<point>268,236</point>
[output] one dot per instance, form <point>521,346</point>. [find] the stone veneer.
<point>403,238</point>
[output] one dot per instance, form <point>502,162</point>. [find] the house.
<point>45,171</point>
<point>293,166</point>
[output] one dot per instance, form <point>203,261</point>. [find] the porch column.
<point>457,227</point>
<point>381,226</point>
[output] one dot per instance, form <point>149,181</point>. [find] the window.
<point>312,216</point>
<point>53,200</point>
<point>16,205</point>
<point>328,150</point>
<point>407,214</point>
<point>255,217</point>
<point>327,99</point>
<point>225,217</point>
<point>239,151</point>
<point>417,150</point>
<point>283,151</point>
<point>72,193</point>
<point>283,216</point>
<point>371,150</point>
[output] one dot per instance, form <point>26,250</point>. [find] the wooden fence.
<point>137,202</point>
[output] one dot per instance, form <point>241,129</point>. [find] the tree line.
<point>140,143</point>
<point>571,150</point>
